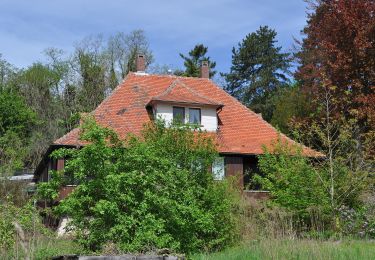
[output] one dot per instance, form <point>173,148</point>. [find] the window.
<point>179,115</point>
<point>218,168</point>
<point>195,116</point>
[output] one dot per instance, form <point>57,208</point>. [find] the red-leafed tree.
<point>337,74</point>
<point>339,49</point>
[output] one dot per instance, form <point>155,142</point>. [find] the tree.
<point>59,89</point>
<point>39,86</point>
<point>193,61</point>
<point>90,63</point>
<point>337,75</point>
<point>16,126</point>
<point>66,93</point>
<point>15,115</point>
<point>92,91</point>
<point>102,64</point>
<point>152,192</point>
<point>290,103</point>
<point>124,48</point>
<point>259,68</point>
<point>7,72</point>
<point>346,172</point>
<point>339,47</point>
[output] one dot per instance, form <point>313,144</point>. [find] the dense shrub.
<point>305,188</point>
<point>292,180</point>
<point>19,228</point>
<point>150,192</point>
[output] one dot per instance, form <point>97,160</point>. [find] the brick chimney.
<point>205,70</point>
<point>140,63</point>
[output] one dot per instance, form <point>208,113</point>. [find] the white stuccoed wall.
<point>209,116</point>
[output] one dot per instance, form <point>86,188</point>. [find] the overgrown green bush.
<point>292,180</point>
<point>19,227</point>
<point>147,193</point>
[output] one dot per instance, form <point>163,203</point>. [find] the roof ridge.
<point>170,76</point>
<point>169,88</point>
<point>198,94</point>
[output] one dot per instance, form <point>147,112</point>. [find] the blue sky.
<point>28,27</point>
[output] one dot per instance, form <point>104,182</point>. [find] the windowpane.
<point>195,116</point>
<point>218,168</point>
<point>179,115</point>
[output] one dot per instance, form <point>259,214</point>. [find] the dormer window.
<point>179,115</point>
<point>195,116</point>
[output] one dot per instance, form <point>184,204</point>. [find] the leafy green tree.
<point>151,192</point>
<point>39,86</point>
<point>58,90</point>
<point>92,91</point>
<point>15,115</point>
<point>90,62</point>
<point>259,68</point>
<point>16,126</point>
<point>290,103</point>
<point>291,179</point>
<point>193,61</point>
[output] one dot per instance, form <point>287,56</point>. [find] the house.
<point>141,97</point>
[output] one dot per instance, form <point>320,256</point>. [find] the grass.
<point>256,249</point>
<point>296,249</point>
<point>43,248</point>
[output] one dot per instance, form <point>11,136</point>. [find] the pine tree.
<point>258,69</point>
<point>193,61</point>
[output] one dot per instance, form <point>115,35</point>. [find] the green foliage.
<point>291,179</point>
<point>26,217</point>
<point>194,60</point>
<point>258,69</point>
<point>296,249</point>
<point>92,70</point>
<point>16,192</point>
<point>347,171</point>
<point>7,231</point>
<point>36,241</point>
<point>12,153</point>
<point>50,189</point>
<point>290,103</point>
<point>16,122</point>
<point>15,116</point>
<point>58,89</point>
<point>50,247</point>
<point>7,71</point>
<point>151,192</point>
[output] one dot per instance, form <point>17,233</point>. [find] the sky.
<point>172,27</point>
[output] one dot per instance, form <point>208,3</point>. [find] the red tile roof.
<point>241,131</point>
<point>178,92</point>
